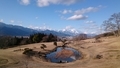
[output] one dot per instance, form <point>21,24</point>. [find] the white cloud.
<point>36,17</point>
<point>80,14</point>
<point>62,17</point>
<point>77,17</point>
<point>86,10</point>
<point>67,2</point>
<point>91,27</point>
<point>1,20</point>
<point>66,11</point>
<point>68,28</point>
<point>43,3</point>
<point>12,21</point>
<point>89,22</point>
<point>25,2</point>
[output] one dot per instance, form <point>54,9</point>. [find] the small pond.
<point>63,55</point>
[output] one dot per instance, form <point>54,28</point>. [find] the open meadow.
<point>105,54</point>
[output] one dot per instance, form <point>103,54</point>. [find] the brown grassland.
<point>105,54</point>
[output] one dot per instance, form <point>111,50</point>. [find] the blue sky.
<point>81,15</point>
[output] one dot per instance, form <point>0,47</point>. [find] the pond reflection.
<point>63,55</point>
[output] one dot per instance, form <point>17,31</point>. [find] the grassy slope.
<point>109,48</point>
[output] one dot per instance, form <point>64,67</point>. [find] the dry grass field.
<point>105,54</point>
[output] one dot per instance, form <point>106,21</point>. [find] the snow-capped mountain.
<point>70,30</point>
<point>67,30</point>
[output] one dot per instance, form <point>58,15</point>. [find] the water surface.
<point>52,56</point>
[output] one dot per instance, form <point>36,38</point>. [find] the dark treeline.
<point>10,41</point>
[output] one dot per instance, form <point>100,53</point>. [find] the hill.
<point>94,55</point>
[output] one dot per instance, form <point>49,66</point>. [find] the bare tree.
<point>63,40</point>
<point>113,24</point>
<point>80,37</point>
<point>115,18</point>
<point>110,27</point>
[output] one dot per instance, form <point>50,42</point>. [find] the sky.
<point>85,16</point>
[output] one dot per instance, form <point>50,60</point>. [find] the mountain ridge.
<point>15,30</point>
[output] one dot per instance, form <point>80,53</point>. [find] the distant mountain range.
<point>15,30</point>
